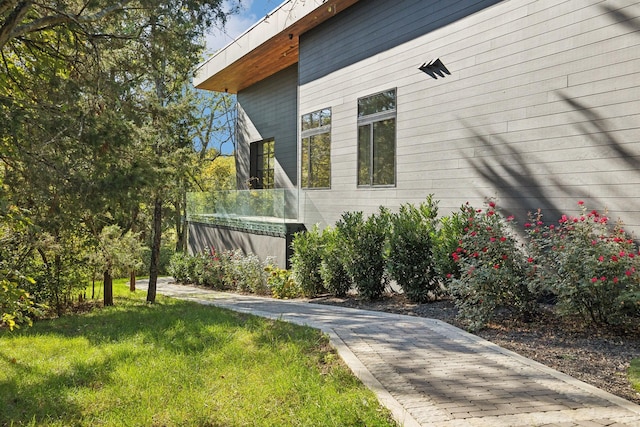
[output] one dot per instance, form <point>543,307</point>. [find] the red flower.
<point>603,279</point>
<point>594,279</point>
<point>527,224</point>
<point>490,213</point>
<point>449,275</point>
<point>503,239</point>
<point>614,258</point>
<point>455,256</point>
<point>496,266</point>
<point>492,204</point>
<point>615,280</point>
<point>510,218</point>
<point>529,259</point>
<point>580,202</point>
<point>504,257</point>
<point>601,258</point>
<point>492,239</point>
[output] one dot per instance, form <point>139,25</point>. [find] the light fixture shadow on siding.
<point>434,68</point>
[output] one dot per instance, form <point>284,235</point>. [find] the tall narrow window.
<point>262,164</point>
<point>316,149</point>
<point>377,139</point>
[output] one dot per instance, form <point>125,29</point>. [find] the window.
<point>262,155</point>
<point>377,139</point>
<point>316,149</point>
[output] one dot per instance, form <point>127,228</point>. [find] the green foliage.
<point>410,259</point>
<point>16,305</point>
<point>308,248</point>
<point>494,269</point>
<point>281,283</point>
<point>334,275</point>
<point>592,267</point>
<point>180,267</point>
<point>634,374</point>
<point>449,232</point>
<point>364,243</point>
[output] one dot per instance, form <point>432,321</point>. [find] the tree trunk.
<point>108,288</point>
<point>132,281</point>
<point>155,250</point>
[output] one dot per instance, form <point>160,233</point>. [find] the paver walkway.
<point>430,373</point>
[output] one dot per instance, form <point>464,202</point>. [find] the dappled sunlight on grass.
<point>176,363</point>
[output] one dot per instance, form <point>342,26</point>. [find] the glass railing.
<point>258,210</point>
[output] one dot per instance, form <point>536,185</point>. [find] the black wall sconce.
<point>434,68</point>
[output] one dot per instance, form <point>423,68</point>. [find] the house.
<point>347,105</point>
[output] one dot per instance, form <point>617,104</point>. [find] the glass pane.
<point>384,147</point>
<point>320,162</point>
<point>364,154</point>
<point>384,101</point>
<point>306,122</point>
<point>305,162</point>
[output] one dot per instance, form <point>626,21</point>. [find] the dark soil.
<point>597,356</point>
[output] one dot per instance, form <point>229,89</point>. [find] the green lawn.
<point>634,374</point>
<point>176,363</point>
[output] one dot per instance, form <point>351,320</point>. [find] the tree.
<point>90,105</point>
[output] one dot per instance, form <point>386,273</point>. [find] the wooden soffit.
<point>268,47</point>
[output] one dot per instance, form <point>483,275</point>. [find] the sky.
<point>251,12</point>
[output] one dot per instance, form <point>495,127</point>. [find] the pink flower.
<point>503,239</point>
<point>492,204</point>
<point>628,272</point>
<point>449,275</point>
<point>455,256</point>
<point>615,280</point>
<point>492,239</point>
<point>496,266</point>
<point>527,224</point>
<point>614,258</point>
<point>490,213</point>
<point>594,279</point>
<point>580,202</point>
<point>601,258</point>
<point>529,259</point>
<point>552,227</point>
<point>563,219</point>
<point>473,234</point>
<point>510,218</point>
<point>594,242</point>
<point>603,279</point>
<point>505,257</point>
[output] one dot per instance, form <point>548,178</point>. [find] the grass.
<point>634,374</point>
<point>176,363</point>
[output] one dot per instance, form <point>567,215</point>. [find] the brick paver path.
<point>430,373</point>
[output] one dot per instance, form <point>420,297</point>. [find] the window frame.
<point>257,169</point>
<point>370,120</point>
<point>308,131</point>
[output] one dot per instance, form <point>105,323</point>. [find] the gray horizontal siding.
<point>542,108</point>
<point>269,110</point>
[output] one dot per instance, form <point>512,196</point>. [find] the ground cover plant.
<point>176,363</point>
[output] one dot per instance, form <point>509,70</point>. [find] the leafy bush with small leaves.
<point>180,267</point>
<point>364,244</point>
<point>592,267</point>
<point>494,270</point>
<point>281,283</point>
<point>308,248</point>
<point>410,258</point>
<point>449,232</point>
<point>335,277</point>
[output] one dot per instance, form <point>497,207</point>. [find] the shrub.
<point>281,283</point>
<point>334,276</point>
<point>591,267</point>
<point>445,241</point>
<point>494,270</point>
<point>410,258</point>
<point>364,242</point>
<point>180,267</point>
<point>308,249</point>
<point>251,275</point>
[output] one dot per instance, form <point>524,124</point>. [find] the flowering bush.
<point>592,267</point>
<point>281,283</point>
<point>493,269</point>
<point>410,259</point>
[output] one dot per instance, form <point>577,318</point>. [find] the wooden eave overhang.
<point>271,45</point>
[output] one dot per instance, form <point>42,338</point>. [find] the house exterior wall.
<point>542,107</point>
<point>268,110</point>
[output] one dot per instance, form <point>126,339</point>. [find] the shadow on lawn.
<point>173,326</point>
